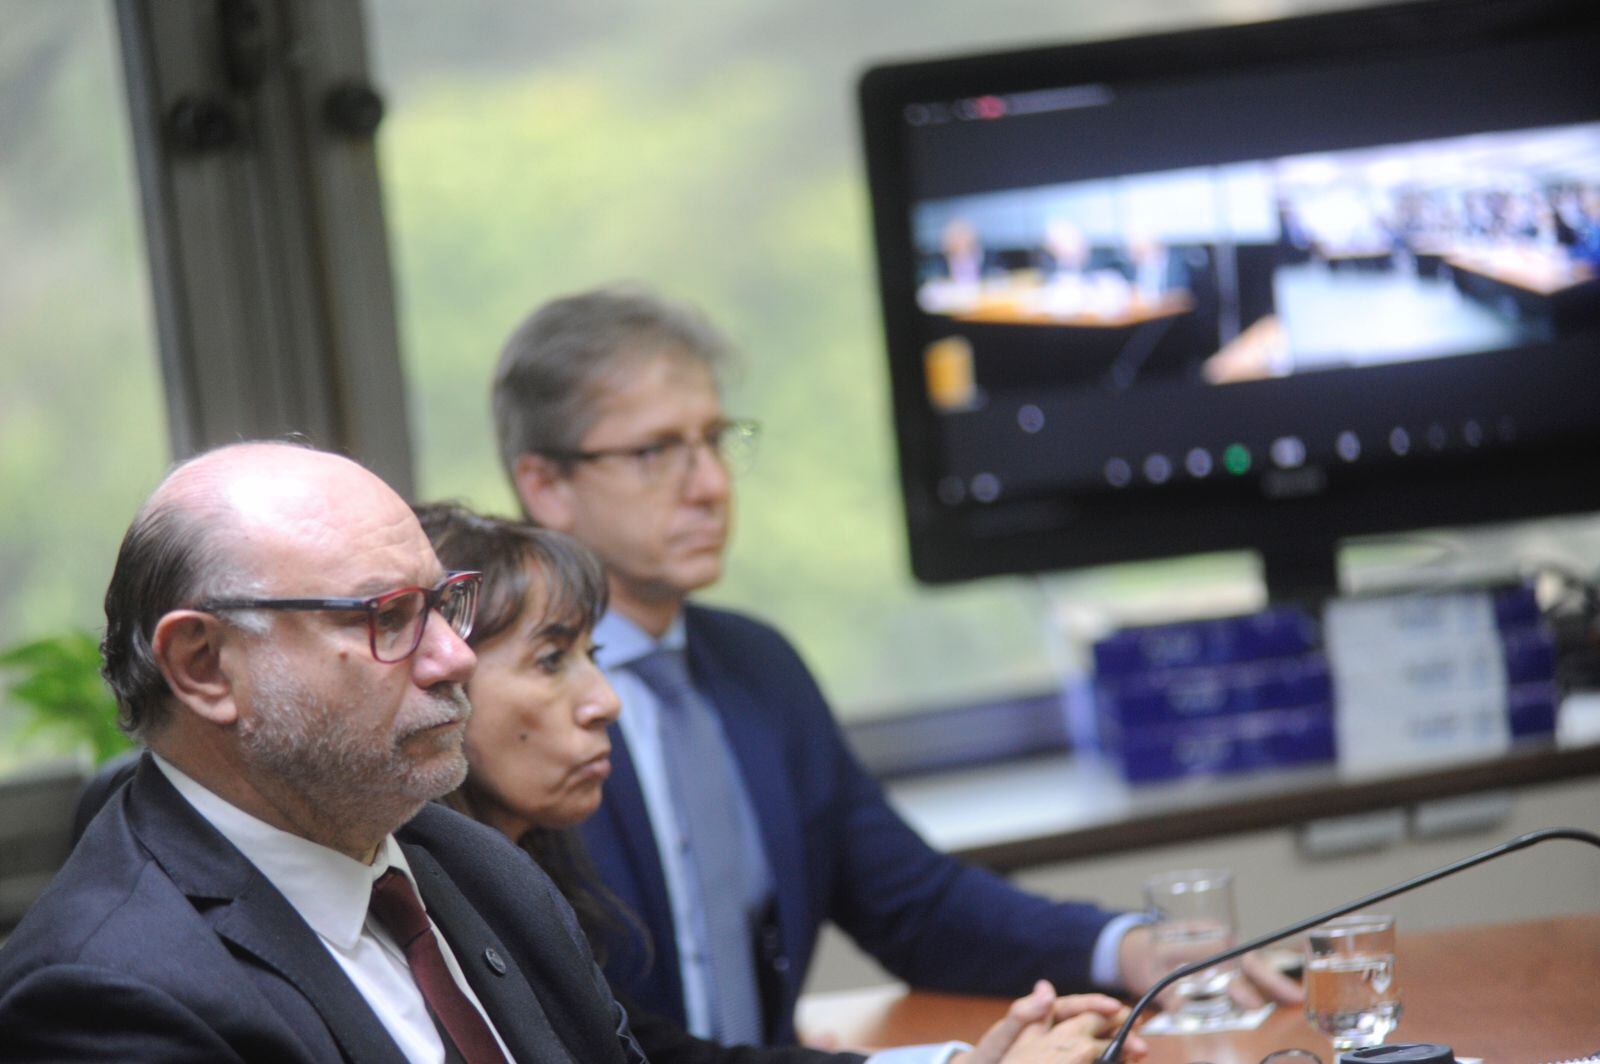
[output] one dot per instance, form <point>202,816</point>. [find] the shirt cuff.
<point>1103,968</point>
<point>939,1054</point>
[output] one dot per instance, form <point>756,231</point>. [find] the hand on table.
<point>1261,982</point>
<point>1043,1028</point>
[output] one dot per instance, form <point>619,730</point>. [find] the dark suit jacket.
<point>838,852</point>
<point>662,1040</point>
<point>158,940</point>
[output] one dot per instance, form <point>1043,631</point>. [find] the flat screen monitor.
<point>1254,287</point>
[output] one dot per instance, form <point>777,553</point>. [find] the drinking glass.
<point>1351,993</point>
<point>1194,918</point>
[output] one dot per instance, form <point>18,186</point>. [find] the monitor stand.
<point>1303,573</point>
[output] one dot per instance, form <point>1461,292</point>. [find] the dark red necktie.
<point>397,908</point>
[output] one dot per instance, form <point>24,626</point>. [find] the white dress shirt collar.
<point>329,890</point>
<point>620,641</point>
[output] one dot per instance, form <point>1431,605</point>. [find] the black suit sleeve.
<point>99,789</point>
<point>85,1013</point>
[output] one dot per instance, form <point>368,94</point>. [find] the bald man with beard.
<point>275,882</point>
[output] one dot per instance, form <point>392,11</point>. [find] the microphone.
<point>1113,1051</point>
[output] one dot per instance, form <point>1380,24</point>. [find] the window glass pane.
<point>711,150</point>
<point>82,429</point>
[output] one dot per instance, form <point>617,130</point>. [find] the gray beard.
<point>345,774</point>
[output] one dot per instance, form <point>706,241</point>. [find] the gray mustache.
<point>452,706</point>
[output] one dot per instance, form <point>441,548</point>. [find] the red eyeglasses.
<point>395,619</point>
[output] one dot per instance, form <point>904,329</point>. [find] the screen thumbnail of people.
<point>1276,267</point>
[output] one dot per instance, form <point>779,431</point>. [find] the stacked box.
<point>1530,658</point>
<point>1438,677</point>
<point>1237,694</point>
<point>1212,697</point>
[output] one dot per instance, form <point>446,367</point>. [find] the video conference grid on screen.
<point>1310,262</point>
<point>1081,288</point>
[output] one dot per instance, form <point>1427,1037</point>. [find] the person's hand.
<point>1260,981</point>
<point>1043,1028</point>
<point>1263,982</point>
<point>826,1041</point>
<point>1109,1015</point>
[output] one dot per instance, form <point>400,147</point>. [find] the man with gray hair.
<point>737,820</point>
<point>275,882</point>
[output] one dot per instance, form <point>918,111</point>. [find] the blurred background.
<point>710,150</point>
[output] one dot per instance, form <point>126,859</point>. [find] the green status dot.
<point>1236,459</point>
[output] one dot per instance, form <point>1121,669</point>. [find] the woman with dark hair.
<point>539,758</point>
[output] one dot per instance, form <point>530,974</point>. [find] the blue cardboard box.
<point>1162,695</point>
<point>1274,633</point>
<point>1221,745</point>
<point>1236,694</point>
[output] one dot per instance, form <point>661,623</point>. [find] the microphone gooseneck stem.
<point>1113,1051</point>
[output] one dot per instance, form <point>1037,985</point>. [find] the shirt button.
<point>496,963</point>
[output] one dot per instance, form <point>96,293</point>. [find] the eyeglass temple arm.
<point>1113,1051</point>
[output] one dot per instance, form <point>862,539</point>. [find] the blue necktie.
<point>706,794</point>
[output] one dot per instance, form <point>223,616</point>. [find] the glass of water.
<point>1193,918</point>
<point>1351,993</point>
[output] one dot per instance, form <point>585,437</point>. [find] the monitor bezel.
<point>1297,535</point>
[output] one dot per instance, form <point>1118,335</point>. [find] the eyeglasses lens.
<point>459,606</point>
<point>397,624</point>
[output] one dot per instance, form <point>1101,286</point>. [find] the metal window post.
<point>253,126</point>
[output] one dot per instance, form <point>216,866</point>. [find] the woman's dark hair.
<point>601,914</point>
<point>508,553</point>
<point>504,552</point>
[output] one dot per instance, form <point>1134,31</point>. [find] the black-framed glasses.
<point>733,442</point>
<point>395,619</point>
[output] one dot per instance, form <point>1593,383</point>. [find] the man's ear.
<point>188,649</point>
<point>545,491</point>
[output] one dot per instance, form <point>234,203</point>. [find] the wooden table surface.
<point>1512,992</point>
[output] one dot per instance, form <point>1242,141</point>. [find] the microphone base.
<point>1166,1023</point>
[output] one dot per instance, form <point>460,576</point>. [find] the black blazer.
<point>662,1040</point>
<point>158,940</point>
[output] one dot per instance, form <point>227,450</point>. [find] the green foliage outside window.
<point>57,682</point>
<point>83,433</point>
<point>533,149</point>
<point>710,150</point>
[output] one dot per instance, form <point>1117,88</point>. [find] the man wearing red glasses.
<point>275,882</point>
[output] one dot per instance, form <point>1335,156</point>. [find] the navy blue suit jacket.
<point>158,940</point>
<point>838,852</point>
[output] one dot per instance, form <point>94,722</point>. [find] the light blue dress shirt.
<point>619,642</point>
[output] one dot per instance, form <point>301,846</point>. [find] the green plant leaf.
<point>56,681</point>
